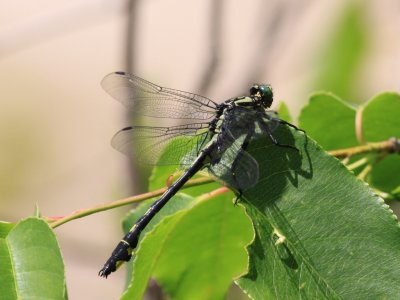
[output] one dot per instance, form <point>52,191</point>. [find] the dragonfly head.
<point>262,93</point>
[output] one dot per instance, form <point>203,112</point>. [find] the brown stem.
<point>213,193</point>
<point>88,211</point>
<point>389,146</point>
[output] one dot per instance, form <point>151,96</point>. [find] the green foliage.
<point>168,244</point>
<point>320,232</point>
<point>380,117</point>
<point>284,113</point>
<point>315,231</point>
<point>380,121</point>
<point>309,228</point>
<point>204,246</point>
<point>332,122</point>
<point>30,262</point>
<point>5,228</point>
<point>385,174</point>
<point>329,120</point>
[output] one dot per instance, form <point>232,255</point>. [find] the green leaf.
<point>30,262</point>
<point>161,174</point>
<point>343,52</point>
<point>283,112</point>
<point>380,117</point>
<point>385,173</point>
<point>329,121</point>
<point>380,121</point>
<point>5,228</point>
<point>194,253</point>
<point>320,232</point>
<point>395,194</point>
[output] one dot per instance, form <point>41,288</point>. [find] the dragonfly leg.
<point>291,125</point>
<point>275,142</point>
<point>238,197</point>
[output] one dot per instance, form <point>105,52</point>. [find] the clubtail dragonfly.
<point>210,135</point>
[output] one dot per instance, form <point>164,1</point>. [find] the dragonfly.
<point>209,135</point>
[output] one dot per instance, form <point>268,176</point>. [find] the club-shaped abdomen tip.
<point>106,270</point>
<point>102,273</point>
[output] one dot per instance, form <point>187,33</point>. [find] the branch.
<point>89,211</point>
<point>390,146</point>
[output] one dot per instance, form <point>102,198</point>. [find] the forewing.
<point>146,98</point>
<point>148,144</point>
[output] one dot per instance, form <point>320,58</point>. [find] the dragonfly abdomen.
<point>123,251</point>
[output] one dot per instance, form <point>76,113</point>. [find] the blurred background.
<point>56,121</point>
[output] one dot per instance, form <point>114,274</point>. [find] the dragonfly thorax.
<point>263,94</point>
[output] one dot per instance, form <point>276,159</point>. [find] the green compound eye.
<point>264,92</point>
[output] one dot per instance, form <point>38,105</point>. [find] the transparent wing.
<point>230,161</point>
<point>232,164</point>
<point>237,168</point>
<point>148,144</point>
<point>146,98</point>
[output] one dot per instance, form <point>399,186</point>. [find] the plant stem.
<point>363,174</point>
<point>213,193</point>
<point>389,146</point>
<point>345,160</point>
<point>86,212</point>
<point>358,163</point>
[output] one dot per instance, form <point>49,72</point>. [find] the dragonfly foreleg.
<point>291,125</point>
<point>275,141</point>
